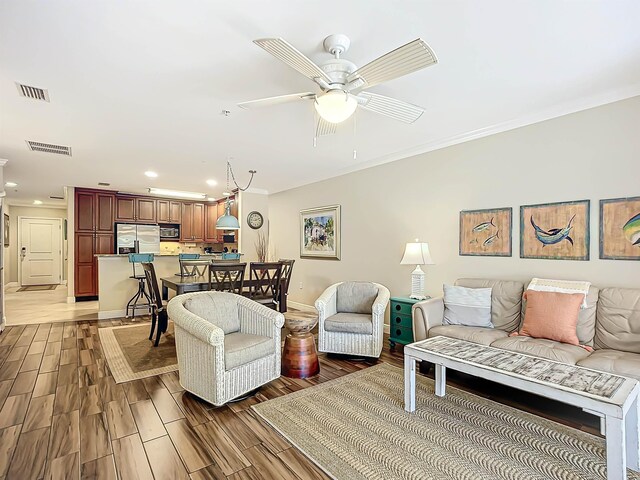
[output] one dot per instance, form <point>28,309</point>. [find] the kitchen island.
<point>115,288</point>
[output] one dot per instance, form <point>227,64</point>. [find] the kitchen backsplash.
<point>179,247</point>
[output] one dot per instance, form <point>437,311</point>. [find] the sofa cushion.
<point>506,300</point>
<point>618,320</point>
<point>243,348</point>
<point>467,306</point>
<point>552,315</point>
<point>356,297</point>
<point>220,309</point>
<point>349,323</point>
<point>614,361</point>
<point>541,347</point>
<point>483,336</point>
<point>586,328</point>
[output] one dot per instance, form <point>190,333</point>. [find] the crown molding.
<point>3,162</point>
<point>560,110</point>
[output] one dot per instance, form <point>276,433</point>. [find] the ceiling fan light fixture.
<point>336,106</point>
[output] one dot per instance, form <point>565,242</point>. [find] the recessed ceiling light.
<point>211,182</point>
<point>37,202</point>
<point>151,174</point>
<point>226,194</point>
<point>11,184</point>
<point>211,199</point>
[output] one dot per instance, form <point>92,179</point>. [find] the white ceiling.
<point>139,85</point>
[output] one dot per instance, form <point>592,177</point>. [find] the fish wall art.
<point>486,232</point>
<point>620,229</point>
<point>556,231</point>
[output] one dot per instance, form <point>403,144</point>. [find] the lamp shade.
<point>336,106</point>
<point>227,221</point>
<point>416,253</point>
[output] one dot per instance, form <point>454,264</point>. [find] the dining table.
<point>198,283</point>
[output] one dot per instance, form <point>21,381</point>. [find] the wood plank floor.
<point>62,416</point>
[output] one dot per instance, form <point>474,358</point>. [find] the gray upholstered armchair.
<point>227,345</point>
<point>351,318</point>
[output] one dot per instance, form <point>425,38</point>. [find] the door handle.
<point>23,252</point>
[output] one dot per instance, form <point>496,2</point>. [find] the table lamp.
<point>417,253</point>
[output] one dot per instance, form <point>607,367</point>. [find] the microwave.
<point>169,232</point>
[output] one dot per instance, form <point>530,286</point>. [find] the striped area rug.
<point>355,427</point>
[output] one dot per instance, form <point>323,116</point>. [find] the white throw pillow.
<point>467,306</point>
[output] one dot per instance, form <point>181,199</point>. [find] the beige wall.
<point>12,251</point>
<point>592,154</point>
<point>250,202</point>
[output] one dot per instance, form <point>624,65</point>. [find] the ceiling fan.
<point>342,83</point>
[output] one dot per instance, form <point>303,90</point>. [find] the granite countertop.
<point>126,255</point>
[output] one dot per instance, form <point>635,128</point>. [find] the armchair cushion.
<point>242,348</point>
<point>350,323</point>
<point>221,311</point>
<point>356,297</point>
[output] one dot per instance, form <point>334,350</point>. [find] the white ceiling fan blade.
<point>325,128</point>
<point>390,107</point>
<point>287,53</point>
<point>401,61</point>
<point>267,102</point>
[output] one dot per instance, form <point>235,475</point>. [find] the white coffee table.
<point>612,397</point>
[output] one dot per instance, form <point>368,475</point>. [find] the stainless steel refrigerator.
<point>132,238</point>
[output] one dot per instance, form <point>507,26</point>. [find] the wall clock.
<point>255,220</point>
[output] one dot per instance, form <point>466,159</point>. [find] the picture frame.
<point>480,232</point>
<point>620,228</point>
<point>320,232</point>
<point>5,230</point>
<point>555,231</point>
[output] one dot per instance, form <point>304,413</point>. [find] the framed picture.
<point>486,232</point>
<point>620,229</point>
<point>5,230</point>
<point>556,231</point>
<point>320,232</point>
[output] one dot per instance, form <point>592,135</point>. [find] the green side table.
<point>400,324</point>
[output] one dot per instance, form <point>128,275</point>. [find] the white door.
<point>40,251</point>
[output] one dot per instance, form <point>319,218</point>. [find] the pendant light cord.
<point>233,177</point>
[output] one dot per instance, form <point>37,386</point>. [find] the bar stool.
<point>230,256</point>
<point>141,294</point>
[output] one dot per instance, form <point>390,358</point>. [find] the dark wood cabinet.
<point>94,218</point>
<point>169,211</point>
<point>193,222</point>
<point>145,210</point>
<point>125,209</point>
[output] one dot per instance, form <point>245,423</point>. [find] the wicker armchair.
<point>227,345</point>
<point>351,318</point>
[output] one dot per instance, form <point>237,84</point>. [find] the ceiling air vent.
<point>33,92</point>
<point>55,197</point>
<point>48,148</point>
<point>103,184</point>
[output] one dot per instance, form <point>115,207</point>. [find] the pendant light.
<point>228,221</point>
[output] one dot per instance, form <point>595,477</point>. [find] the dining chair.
<point>191,265</point>
<point>264,283</point>
<point>287,270</point>
<point>227,278</point>
<point>159,317</point>
<point>230,256</point>
<point>141,294</point>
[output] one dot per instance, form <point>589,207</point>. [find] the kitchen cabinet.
<point>135,209</point>
<point>169,211</point>
<point>211,234</point>
<point>94,218</point>
<point>193,222</point>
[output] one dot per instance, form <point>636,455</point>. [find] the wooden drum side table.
<point>299,357</point>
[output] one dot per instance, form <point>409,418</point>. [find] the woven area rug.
<point>36,288</point>
<point>131,355</point>
<point>355,427</point>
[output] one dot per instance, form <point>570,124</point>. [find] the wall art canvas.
<point>620,229</point>
<point>320,232</point>
<point>556,231</point>
<point>486,232</point>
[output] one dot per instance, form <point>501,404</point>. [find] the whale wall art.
<point>555,231</point>
<point>486,232</point>
<point>620,229</point>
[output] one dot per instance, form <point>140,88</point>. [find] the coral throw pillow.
<point>552,315</point>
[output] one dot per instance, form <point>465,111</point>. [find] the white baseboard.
<point>108,314</point>
<point>387,329</point>
<point>71,299</point>
<point>301,306</point>
<point>64,282</point>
